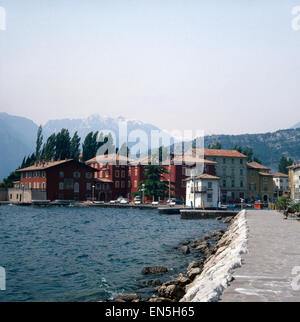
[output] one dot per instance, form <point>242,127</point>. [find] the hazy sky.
<point>223,66</point>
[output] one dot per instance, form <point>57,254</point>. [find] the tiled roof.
<point>222,153</point>
<point>265,174</point>
<point>294,166</point>
<point>256,165</point>
<point>43,165</point>
<point>204,176</point>
<point>191,159</point>
<point>280,174</point>
<point>108,158</point>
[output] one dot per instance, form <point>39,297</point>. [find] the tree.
<point>255,159</point>
<point>216,146</point>
<point>75,147</point>
<point>49,148</point>
<point>89,146</point>
<point>63,145</point>
<point>124,150</point>
<point>154,185</point>
<point>238,148</point>
<point>284,163</point>
<point>39,143</point>
<point>249,153</point>
<point>8,182</point>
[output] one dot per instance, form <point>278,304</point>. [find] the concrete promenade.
<point>273,254</point>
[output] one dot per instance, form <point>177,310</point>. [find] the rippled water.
<point>87,254</point>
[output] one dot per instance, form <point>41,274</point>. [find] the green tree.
<point>154,185</point>
<point>75,146</point>
<point>8,182</point>
<point>49,148</point>
<point>284,163</point>
<point>255,159</point>
<point>216,146</point>
<point>249,153</point>
<point>237,148</point>
<point>124,150</point>
<point>63,145</point>
<point>89,146</point>
<point>39,143</point>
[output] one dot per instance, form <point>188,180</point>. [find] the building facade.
<point>231,168</point>
<point>260,182</point>
<point>294,181</point>
<point>202,191</point>
<point>281,185</point>
<point>57,180</point>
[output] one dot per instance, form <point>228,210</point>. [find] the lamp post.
<point>93,192</point>
<point>143,190</point>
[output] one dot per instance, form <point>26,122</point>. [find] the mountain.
<point>268,147</point>
<point>17,140</point>
<point>296,126</point>
<point>18,134</point>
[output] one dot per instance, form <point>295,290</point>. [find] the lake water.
<point>88,254</point>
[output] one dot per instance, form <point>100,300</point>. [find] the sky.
<point>229,66</point>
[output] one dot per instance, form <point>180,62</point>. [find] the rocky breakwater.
<point>216,272</point>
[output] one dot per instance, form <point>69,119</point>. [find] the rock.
<point>203,247</point>
<point>154,270</point>
<point>126,297</point>
<point>156,282</point>
<point>195,264</point>
<point>194,272</point>
<point>182,280</point>
<point>185,249</point>
<point>227,219</point>
<point>219,218</point>
<point>175,292</point>
<point>160,300</point>
<point>205,237</point>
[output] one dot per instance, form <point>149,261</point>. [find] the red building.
<point>114,169</point>
<point>61,180</point>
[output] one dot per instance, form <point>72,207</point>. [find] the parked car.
<point>137,200</point>
<point>124,201</point>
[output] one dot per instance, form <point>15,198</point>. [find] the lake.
<point>88,254</point>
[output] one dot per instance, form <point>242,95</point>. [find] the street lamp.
<point>93,192</point>
<point>143,190</point>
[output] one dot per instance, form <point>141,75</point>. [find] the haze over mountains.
<point>18,135</point>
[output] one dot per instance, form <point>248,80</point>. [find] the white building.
<point>202,189</point>
<point>294,181</point>
<point>281,184</point>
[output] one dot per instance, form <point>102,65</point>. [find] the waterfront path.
<point>273,253</point>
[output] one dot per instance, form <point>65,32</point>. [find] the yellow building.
<point>260,182</point>
<point>294,181</point>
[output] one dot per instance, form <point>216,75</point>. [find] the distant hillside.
<point>17,140</point>
<point>296,126</point>
<point>268,147</point>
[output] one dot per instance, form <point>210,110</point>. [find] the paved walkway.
<point>273,253</point>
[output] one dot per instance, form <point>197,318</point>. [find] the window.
<point>209,197</point>
<point>88,175</point>
<point>122,184</point>
<point>123,174</point>
<point>61,186</point>
<point>232,183</point>
<point>21,175</point>
<point>117,173</point>
<point>224,183</point>
<point>232,171</point>
<point>241,172</point>
<point>101,174</point>
<point>232,161</point>
<point>43,185</point>
<point>252,173</point>
<point>224,160</point>
<point>135,184</point>
<point>241,161</point>
<point>29,185</point>
<point>61,174</point>
<point>76,187</point>
<point>242,184</point>
<point>88,186</point>
<point>76,175</point>
<point>135,171</point>
<point>209,185</point>
<point>43,174</point>
<point>37,185</point>
<point>224,171</point>
<point>117,184</point>
<point>265,187</point>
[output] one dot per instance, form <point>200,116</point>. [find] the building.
<point>113,170</point>
<point>281,185</point>
<point>231,168</point>
<point>202,191</point>
<point>178,168</point>
<point>55,180</point>
<point>260,182</point>
<point>294,181</point>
